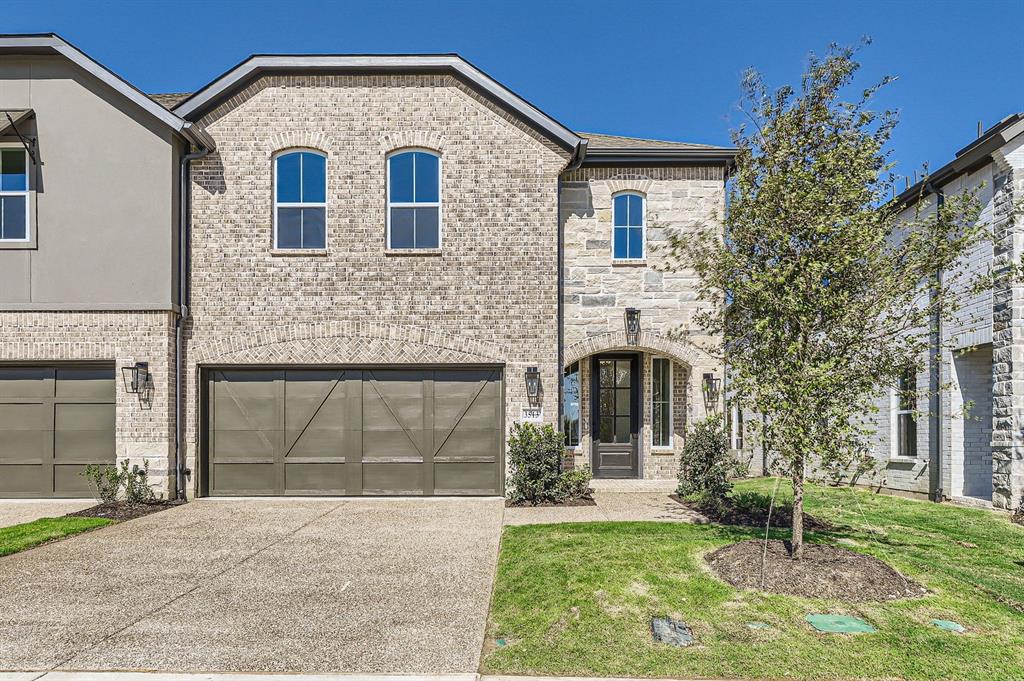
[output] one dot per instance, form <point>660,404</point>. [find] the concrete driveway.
<point>319,585</point>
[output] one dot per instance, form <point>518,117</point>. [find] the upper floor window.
<point>300,200</point>
<point>13,194</point>
<point>414,200</point>
<point>628,225</point>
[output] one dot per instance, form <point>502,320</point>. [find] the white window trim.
<point>643,227</point>
<point>27,193</point>
<point>894,425</point>
<point>389,204</point>
<point>290,204</point>
<point>734,427</point>
<point>671,406</point>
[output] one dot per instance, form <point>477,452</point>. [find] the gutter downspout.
<point>935,491</point>
<point>184,206</point>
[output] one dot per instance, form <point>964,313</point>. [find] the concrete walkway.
<point>398,586</point>
<point>614,500</point>
<point>17,511</point>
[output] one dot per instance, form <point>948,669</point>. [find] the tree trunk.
<point>798,511</point>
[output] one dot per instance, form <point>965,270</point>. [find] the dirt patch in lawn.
<point>582,501</point>
<point>119,510</point>
<point>825,571</point>
<point>750,510</point>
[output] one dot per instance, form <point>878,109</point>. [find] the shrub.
<point>573,484</point>
<point>706,464</point>
<point>1018,513</point>
<point>535,463</point>
<point>112,482</point>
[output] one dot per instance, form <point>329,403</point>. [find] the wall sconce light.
<point>711,387</point>
<point>533,384</point>
<point>137,377</point>
<point>632,326</point>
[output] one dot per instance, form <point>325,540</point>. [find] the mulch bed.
<point>725,512</point>
<point>824,571</point>
<point>582,501</point>
<point>120,511</point>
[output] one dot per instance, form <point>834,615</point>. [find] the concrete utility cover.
<point>672,632</point>
<point>949,625</point>
<point>839,624</point>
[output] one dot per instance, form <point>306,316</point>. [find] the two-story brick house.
<point>390,259</point>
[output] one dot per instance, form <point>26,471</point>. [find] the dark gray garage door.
<point>354,431</point>
<point>54,421</point>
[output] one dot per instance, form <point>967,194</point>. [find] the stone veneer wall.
<point>144,430</point>
<point>488,296</point>
<point>597,291</point>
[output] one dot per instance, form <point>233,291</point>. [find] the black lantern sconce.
<point>632,326</point>
<point>137,379</point>
<point>533,385</point>
<point>711,387</point>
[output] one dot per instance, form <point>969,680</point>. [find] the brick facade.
<point>488,296</point>
<point>144,427</point>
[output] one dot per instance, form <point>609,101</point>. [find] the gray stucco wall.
<point>103,209</point>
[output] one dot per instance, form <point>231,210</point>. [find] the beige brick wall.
<point>597,291</point>
<point>489,296</point>
<point>144,428</point>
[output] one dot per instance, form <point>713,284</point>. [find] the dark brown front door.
<point>615,400</point>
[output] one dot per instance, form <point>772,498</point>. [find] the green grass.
<point>26,535</point>
<point>576,599</point>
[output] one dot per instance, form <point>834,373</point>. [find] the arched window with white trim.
<point>628,226</point>
<point>414,199</point>
<point>300,200</point>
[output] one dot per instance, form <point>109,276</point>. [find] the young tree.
<point>823,292</point>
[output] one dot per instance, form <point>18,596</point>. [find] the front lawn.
<point>26,535</point>
<point>577,599</point>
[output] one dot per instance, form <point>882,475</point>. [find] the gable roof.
<point>51,43</point>
<point>234,79</point>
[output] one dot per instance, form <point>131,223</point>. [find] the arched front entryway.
<point>627,406</point>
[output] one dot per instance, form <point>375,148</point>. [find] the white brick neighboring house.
<point>387,262</point>
<point>977,457</point>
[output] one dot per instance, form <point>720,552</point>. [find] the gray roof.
<point>600,142</point>
<point>169,100</point>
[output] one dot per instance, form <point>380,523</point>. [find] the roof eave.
<point>720,156</point>
<point>210,95</point>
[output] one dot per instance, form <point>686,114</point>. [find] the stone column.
<point>1007,341</point>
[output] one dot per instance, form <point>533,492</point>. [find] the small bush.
<point>1018,513</point>
<point>535,463</point>
<point>573,484</point>
<point>706,464</point>
<point>114,482</point>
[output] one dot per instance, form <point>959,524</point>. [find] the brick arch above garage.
<point>679,350</point>
<point>348,342</point>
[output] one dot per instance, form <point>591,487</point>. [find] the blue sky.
<point>652,69</point>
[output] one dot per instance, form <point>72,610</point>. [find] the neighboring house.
<point>956,430</point>
<point>389,260</point>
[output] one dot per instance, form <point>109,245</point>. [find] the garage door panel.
<point>262,413</point>
<point>54,420</point>
<point>25,416</point>
<point>315,478</point>
<point>469,443</point>
<point>244,479</point>
<point>85,382</point>
<point>23,480</point>
<point>234,444</point>
<point>325,441</point>
<point>69,481</point>
<point>465,478</point>
<point>392,444</point>
<point>392,478</point>
<point>26,382</point>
